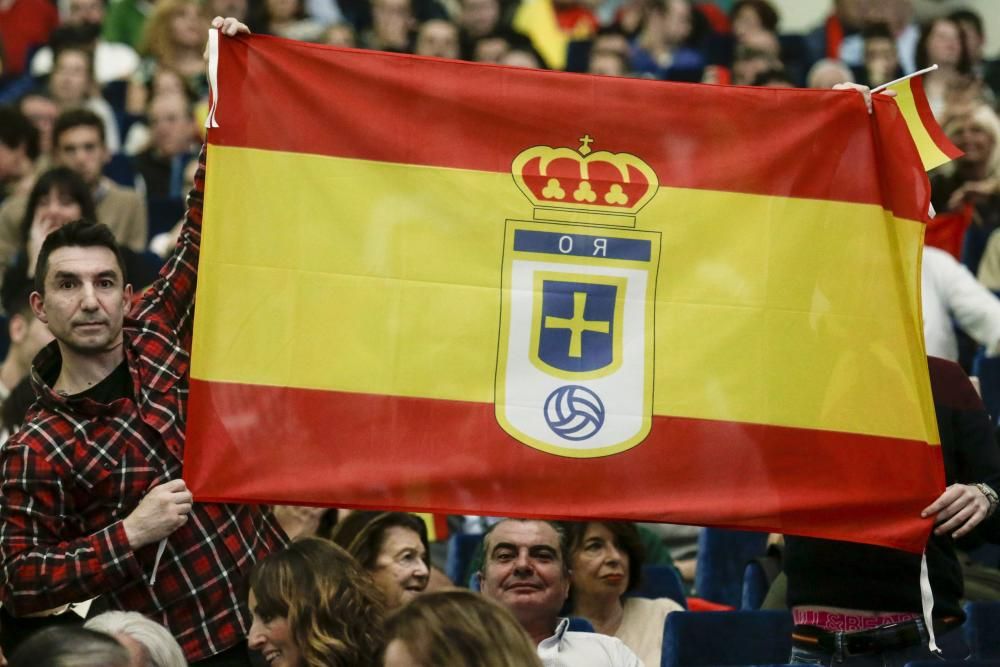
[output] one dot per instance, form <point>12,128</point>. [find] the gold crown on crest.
<point>582,186</point>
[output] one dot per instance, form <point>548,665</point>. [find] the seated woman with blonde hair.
<point>456,628</point>
<point>314,606</point>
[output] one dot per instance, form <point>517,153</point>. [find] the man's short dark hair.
<point>483,555</point>
<point>79,48</point>
<point>78,234</point>
<point>16,131</point>
<point>65,181</point>
<point>71,118</point>
<point>771,76</point>
<point>877,31</point>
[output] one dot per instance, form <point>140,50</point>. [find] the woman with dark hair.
<point>942,43</point>
<point>750,16</point>
<point>392,547</point>
<point>59,196</point>
<point>313,606</point>
<point>606,560</point>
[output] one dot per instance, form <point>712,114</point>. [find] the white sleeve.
<point>974,307</point>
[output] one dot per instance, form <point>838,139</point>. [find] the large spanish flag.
<point>460,288</point>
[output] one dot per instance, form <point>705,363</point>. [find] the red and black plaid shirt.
<point>77,468</point>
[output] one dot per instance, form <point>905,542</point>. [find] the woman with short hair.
<point>606,559</point>
<point>392,547</point>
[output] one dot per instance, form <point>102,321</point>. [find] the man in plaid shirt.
<point>93,503</point>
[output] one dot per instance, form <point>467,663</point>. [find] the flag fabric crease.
<point>443,286</point>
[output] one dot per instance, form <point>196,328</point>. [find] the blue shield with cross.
<point>574,366</point>
<point>576,327</point>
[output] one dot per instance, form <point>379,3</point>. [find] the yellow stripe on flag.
<point>930,154</point>
<point>767,306</point>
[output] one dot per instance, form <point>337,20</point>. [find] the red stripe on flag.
<point>361,450</point>
<point>396,108</point>
<point>929,122</point>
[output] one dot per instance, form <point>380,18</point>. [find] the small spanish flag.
<point>933,145</point>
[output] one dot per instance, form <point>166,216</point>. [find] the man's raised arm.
<point>171,298</point>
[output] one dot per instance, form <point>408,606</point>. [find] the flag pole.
<point>904,78</point>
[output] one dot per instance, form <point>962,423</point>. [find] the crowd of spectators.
<point>101,105</point>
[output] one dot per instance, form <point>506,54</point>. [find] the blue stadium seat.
<point>722,557</point>
<point>462,549</point>
<point>982,630</point>
<point>662,581</point>
<point>164,213</point>
<point>119,169</point>
<point>703,639</point>
<point>755,586</point>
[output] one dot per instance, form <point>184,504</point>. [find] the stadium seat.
<point>982,630</point>
<point>119,169</point>
<point>755,586</point>
<point>700,639</point>
<point>662,581</point>
<point>722,557</point>
<point>462,549</point>
<point>164,213</point>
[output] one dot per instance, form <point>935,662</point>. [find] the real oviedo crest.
<point>575,360</point>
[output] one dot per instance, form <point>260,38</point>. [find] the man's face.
<point>42,112</point>
<point>171,125</point>
<point>677,22</point>
<point>437,38</point>
<point>479,17</point>
<point>85,12</point>
<point>391,21</point>
<point>85,299</point>
<point>523,569</point>
<point>81,149</point>
<point>70,80</point>
<point>881,58</point>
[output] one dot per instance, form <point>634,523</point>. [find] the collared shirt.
<point>77,468</point>
<point>584,649</point>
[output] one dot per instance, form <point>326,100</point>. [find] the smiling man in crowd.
<point>525,569</point>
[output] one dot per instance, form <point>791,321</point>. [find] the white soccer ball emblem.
<point>574,412</point>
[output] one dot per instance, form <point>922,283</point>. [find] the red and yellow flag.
<point>460,288</point>
<point>933,145</point>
